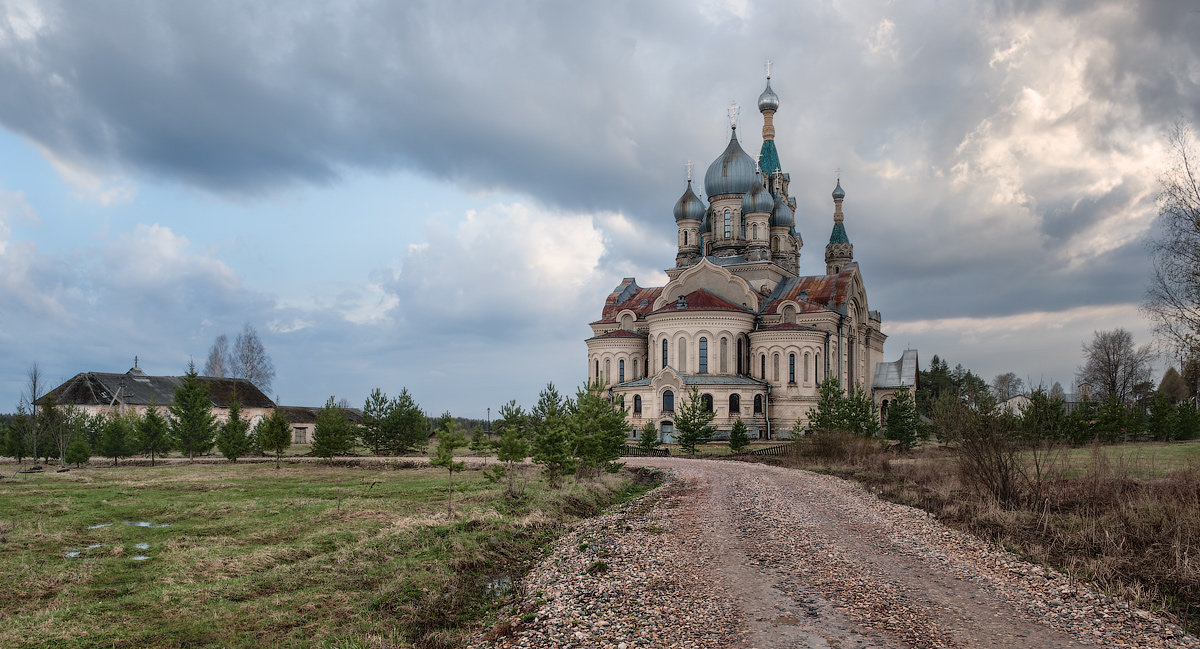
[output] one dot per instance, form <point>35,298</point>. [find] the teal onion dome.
<point>768,100</point>
<point>689,206</point>
<point>838,192</point>
<point>731,173</point>
<point>758,199</point>
<point>782,216</point>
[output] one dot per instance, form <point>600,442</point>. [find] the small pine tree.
<point>115,442</point>
<point>152,433</point>
<point>334,434</point>
<point>648,437</point>
<point>597,429</point>
<point>513,445</point>
<point>552,435</point>
<point>192,422</point>
<point>479,441</point>
<point>232,439</point>
<point>739,438</point>
<point>374,417</point>
<point>275,434</point>
<point>449,437</point>
<point>693,423</point>
<point>78,451</point>
<point>1164,417</point>
<point>903,423</point>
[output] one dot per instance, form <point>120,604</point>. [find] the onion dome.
<point>689,206</point>
<point>758,199</point>
<point>768,100</point>
<point>731,173</point>
<point>838,192</point>
<point>782,216</point>
<point>706,223</point>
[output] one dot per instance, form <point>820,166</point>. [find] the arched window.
<point>607,371</point>
<point>754,230</point>
<point>742,220</point>
<point>724,355</point>
<point>775,367</point>
<point>682,355</point>
<point>637,404</point>
<point>728,223</point>
<point>703,355</point>
<point>669,401</point>
<point>621,371</point>
<point>762,371</point>
<point>883,412</point>
<point>706,402</point>
<point>735,403</point>
<point>597,374</point>
<point>635,369</point>
<point>664,363</point>
<point>685,237</point>
<point>758,404</point>
<point>791,368</point>
<point>775,244</point>
<point>805,375</point>
<point>817,369</point>
<point>739,356</point>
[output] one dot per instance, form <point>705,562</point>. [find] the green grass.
<point>1145,460</point>
<point>253,556</point>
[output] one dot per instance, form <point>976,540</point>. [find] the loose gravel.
<point>730,554</point>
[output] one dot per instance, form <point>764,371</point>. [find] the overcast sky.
<point>439,195</point>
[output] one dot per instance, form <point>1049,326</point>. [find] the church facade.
<point>736,320</point>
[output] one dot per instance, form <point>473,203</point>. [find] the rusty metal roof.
<point>628,295</point>
<point>139,389</point>
<point>702,300</point>
<point>825,292</point>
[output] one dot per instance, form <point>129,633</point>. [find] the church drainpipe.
<point>767,410</point>
<point>839,359</point>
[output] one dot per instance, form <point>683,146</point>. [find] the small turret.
<point>839,251</point>
<point>689,212</point>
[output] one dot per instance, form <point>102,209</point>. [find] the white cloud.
<point>105,188</point>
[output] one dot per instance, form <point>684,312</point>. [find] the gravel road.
<point>729,554</point>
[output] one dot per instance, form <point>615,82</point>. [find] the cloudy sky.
<point>439,195</point>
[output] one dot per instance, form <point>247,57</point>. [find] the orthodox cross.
<point>733,114</point>
<point>768,68</point>
<point>689,169</point>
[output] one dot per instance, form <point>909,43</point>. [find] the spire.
<point>768,103</point>
<point>839,251</point>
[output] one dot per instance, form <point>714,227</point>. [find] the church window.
<point>735,403</point>
<point>637,404</point>
<point>754,231</point>
<point>597,375</point>
<point>775,368</point>
<point>703,360</point>
<point>742,220</point>
<point>883,411</point>
<point>791,368</point>
<point>685,237</point>
<point>728,223</point>
<point>817,369</point>
<point>607,371</point>
<point>708,248</point>
<point>621,370</point>
<point>758,404</point>
<point>739,356</point>
<point>706,402</point>
<point>635,369</point>
<point>762,370</point>
<point>669,401</point>
<point>775,244</point>
<point>724,355</point>
<point>664,353</point>
<point>805,375</point>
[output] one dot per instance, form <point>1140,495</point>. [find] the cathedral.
<point>736,320</point>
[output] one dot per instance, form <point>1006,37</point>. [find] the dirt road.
<point>730,554</point>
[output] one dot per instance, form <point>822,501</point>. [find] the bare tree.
<point>34,387</point>
<point>250,360</point>
<point>1007,386</point>
<point>1173,298</point>
<point>218,358</point>
<point>1114,366</point>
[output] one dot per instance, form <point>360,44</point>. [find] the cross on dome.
<point>733,112</point>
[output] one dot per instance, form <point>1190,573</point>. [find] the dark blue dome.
<point>731,173</point>
<point>689,206</point>
<point>758,200</point>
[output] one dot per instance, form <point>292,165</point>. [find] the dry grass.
<point>1126,518</point>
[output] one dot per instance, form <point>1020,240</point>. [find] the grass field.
<point>246,555</point>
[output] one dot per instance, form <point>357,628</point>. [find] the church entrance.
<point>668,432</point>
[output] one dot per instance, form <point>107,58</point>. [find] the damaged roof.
<point>628,295</point>
<point>702,300</point>
<point>897,374</point>
<point>136,388</point>
<point>828,292</point>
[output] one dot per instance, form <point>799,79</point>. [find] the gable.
<point>707,276</point>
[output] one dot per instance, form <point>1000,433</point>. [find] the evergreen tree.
<point>859,412</point>
<point>449,437</point>
<point>14,440</point>
<point>693,422</point>
<point>334,434</point>
<point>275,434</point>
<point>513,446</point>
<point>78,451</point>
<point>828,415</point>
<point>232,438</point>
<point>406,426</point>
<point>648,437</point>
<point>152,434</point>
<point>552,435</point>
<point>1164,417</point>
<point>479,441</point>
<point>375,412</point>
<point>738,437</point>
<point>93,429</point>
<point>1188,420</point>
<point>1044,419</point>
<point>192,423</point>
<point>903,422</point>
<point>598,430</point>
<point>117,437</point>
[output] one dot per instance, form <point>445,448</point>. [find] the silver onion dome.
<point>731,173</point>
<point>768,100</point>
<point>838,192</point>
<point>758,200</point>
<point>782,216</point>
<point>689,206</point>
